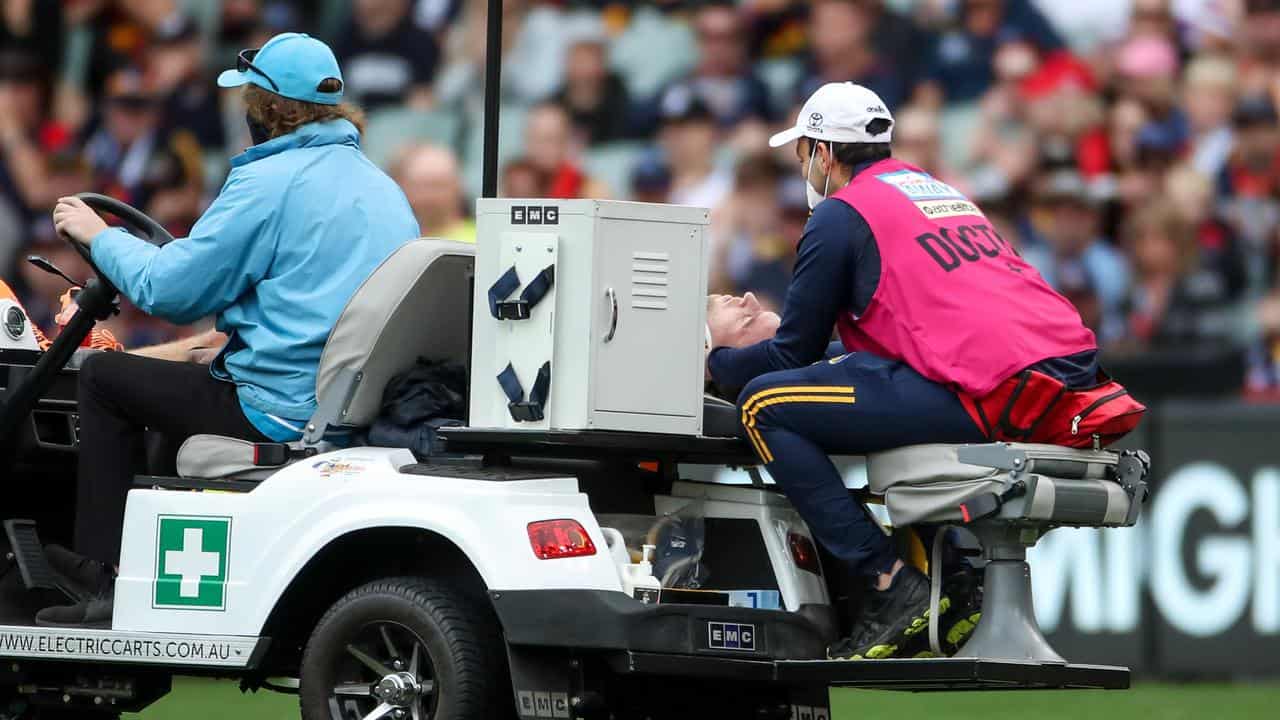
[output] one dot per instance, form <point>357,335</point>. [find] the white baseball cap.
<point>838,112</point>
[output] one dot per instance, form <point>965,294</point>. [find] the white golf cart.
<point>501,578</point>
<point>507,577</point>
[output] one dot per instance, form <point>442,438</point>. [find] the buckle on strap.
<point>519,309</point>
<point>988,504</point>
<point>277,454</point>
<point>512,310</point>
<point>525,411</point>
<point>533,408</point>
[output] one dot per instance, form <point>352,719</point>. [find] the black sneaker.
<point>957,625</point>
<point>92,613</point>
<point>890,619</point>
<point>963,590</point>
<point>84,577</point>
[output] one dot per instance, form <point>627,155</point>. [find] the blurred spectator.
<point>1250,182</point>
<point>173,184</point>
<point>520,179</point>
<point>1002,145</point>
<point>1209,96</point>
<point>916,140</point>
<point>651,179</point>
<point>435,15</point>
<point>776,27</point>
<point>176,71</point>
<point>33,27</point>
<point>532,53</point>
<point>961,65</point>
<point>1152,18</point>
<point>24,188</point>
<point>1221,258</point>
<point>655,47</point>
<point>594,96</point>
<point>1073,258</point>
<point>755,254</point>
<point>105,35</point>
<point>843,45</point>
<point>723,78</point>
<point>1171,291</point>
<point>129,155</point>
<point>1085,25</point>
<point>430,179</point>
<point>688,136</point>
<point>1065,114</point>
<point>385,58</point>
<point>550,147</point>
<point>119,152</point>
<point>1147,67</point>
<point>1259,46</point>
<point>1253,170</point>
<point>793,200</point>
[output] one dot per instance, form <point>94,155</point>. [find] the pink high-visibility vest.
<point>955,301</point>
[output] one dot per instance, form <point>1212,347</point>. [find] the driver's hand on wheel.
<point>74,219</point>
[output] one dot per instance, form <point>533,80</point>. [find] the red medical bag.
<point>1034,407</point>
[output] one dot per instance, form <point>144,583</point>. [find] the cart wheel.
<point>403,649</point>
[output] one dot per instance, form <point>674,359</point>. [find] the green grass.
<point>208,700</point>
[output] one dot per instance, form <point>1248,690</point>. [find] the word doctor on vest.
<point>939,319</point>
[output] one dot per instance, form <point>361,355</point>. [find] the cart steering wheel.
<point>134,220</point>
<point>96,301</point>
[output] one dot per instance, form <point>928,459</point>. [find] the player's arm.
<point>199,348</point>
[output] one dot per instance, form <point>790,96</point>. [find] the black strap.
<point>1005,422</point>
<point>522,410</point>
<point>503,309</point>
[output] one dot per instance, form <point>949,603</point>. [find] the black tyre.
<point>404,649</point>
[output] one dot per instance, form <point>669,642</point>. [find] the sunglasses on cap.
<point>244,63</point>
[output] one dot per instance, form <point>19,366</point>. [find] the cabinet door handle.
<point>612,297</point>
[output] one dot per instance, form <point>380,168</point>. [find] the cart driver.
<point>301,221</point>
<point>940,319</point>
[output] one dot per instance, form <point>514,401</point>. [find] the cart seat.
<point>1008,495</point>
<point>720,418</point>
<point>412,306</point>
<point>940,483</point>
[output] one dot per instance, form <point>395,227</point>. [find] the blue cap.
<point>296,63</point>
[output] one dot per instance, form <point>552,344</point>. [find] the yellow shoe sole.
<point>921,624</point>
<point>962,629</point>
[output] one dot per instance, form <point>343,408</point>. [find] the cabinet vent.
<point>649,272</point>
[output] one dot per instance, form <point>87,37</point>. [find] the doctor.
<point>934,309</point>
<point>302,220</point>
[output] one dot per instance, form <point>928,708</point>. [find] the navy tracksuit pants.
<point>847,405</point>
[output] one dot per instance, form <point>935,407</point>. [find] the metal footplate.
<point>27,550</point>
<point>954,674</point>
<point>905,674</point>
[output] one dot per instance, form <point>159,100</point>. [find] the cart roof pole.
<point>492,91</point>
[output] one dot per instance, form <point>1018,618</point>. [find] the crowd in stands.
<point>1129,148</point>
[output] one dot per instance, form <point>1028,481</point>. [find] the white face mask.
<point>813,195</point>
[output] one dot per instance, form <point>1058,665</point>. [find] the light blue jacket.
<point>301,221</point>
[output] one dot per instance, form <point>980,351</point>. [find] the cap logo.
<point>815,121</point>
<point>877,109</point>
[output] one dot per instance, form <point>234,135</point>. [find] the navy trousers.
<point>847,405</point>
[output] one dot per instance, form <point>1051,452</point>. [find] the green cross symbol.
<point>191,562</point>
